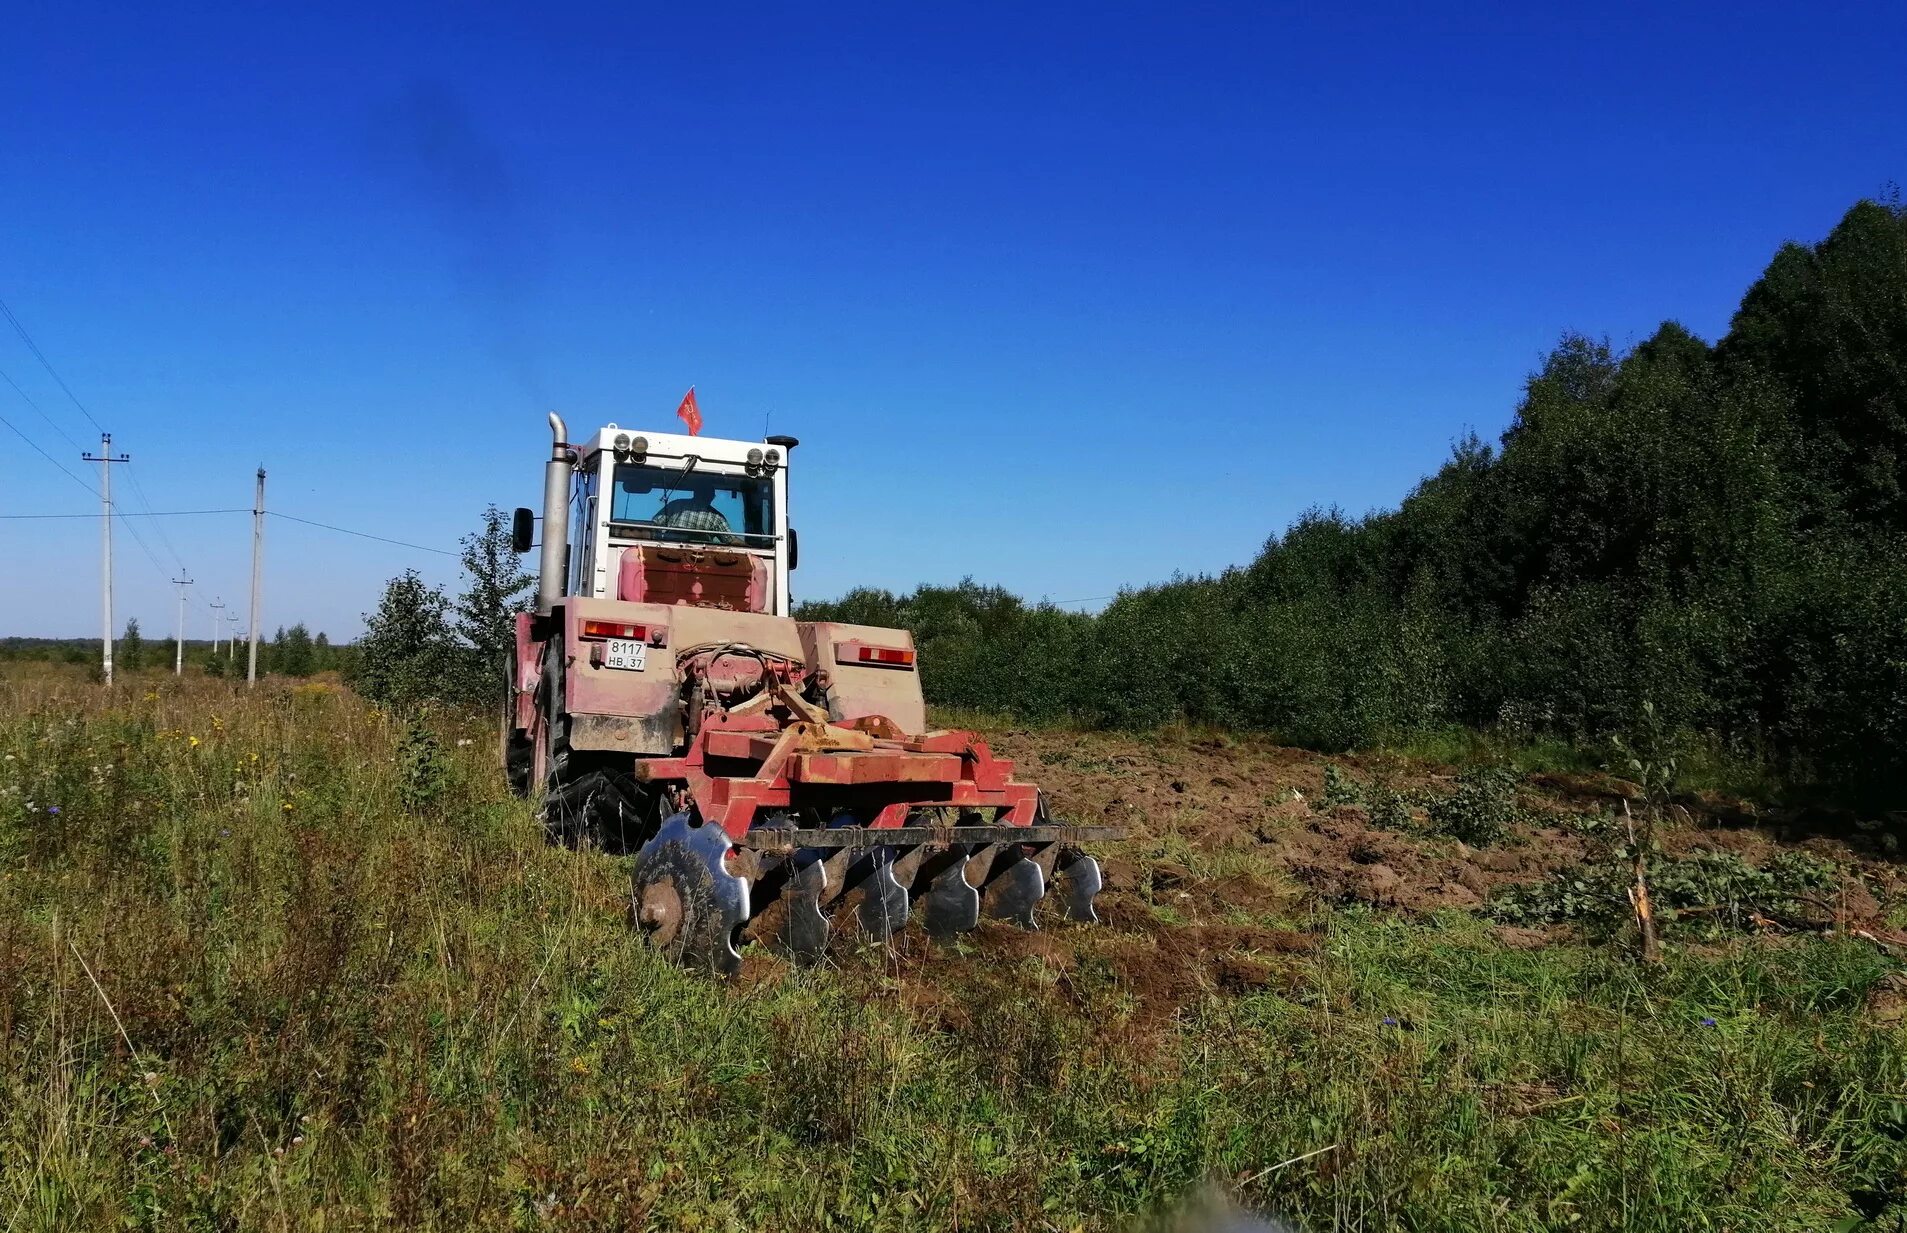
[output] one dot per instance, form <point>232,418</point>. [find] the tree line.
<point>292,651</point>
<point>1711,534</point>
<point>1718,531</point>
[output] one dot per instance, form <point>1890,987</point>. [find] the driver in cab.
<point>695,511</point>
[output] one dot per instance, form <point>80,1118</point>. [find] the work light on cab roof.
<point>774,779</point>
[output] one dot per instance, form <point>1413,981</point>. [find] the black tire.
<point>519,755</point>
<point>601,808</point>
<point>517,758</point>
<point>591,799</point>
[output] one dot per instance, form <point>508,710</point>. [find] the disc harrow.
<point>756,842</point>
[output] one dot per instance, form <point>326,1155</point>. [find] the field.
<point>279,960</point>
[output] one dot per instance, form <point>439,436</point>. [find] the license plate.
<point>626,653</point>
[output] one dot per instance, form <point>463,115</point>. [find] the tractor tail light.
<point>654,635</point>
<point>873,656</point>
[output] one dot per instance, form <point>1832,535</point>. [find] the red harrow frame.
<point>844,823</point>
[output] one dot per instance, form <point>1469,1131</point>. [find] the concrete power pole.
<point>231,636</point>
<point>178,652</point>
<point>106,460</point>
<point>216,621</point>
<point>258,561</point>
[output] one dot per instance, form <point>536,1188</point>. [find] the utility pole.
<point>258,561</point>
<point>178,652</point>
<point>216,621</point>
<point>106,460</point>
<point>231,636</point>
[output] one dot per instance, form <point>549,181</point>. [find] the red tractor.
<point>774,778</point>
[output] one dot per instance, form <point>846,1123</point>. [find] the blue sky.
<point>1061,297</point>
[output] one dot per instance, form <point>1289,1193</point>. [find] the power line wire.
<point>141,541</point>
<point>39,411</point>
<point>146,548</point>
<point>46,363</point>
<point>193,513</point>
<point>42,453</point>
<point>360,534</point>
<point>139,491</point>
<point>161,513</point>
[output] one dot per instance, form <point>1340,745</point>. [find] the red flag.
<point>689,413</point>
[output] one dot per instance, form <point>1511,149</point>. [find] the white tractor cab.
<point>664,576</point>
<point>665,518</point>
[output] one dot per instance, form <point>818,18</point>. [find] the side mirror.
<point>794,549</point>
<point>522,531</point>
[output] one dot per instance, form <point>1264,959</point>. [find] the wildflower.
<point>53,809</point>
<point>579,1065</point>
<point>145,1140</point>
<point>224,830</point>
<point>1389,1021</point>
<point>152,695</point>
<point>1708,1023</point>
<point>297,1140</point>
<point>151,1076</point>
<point>289,806</point>
<point>194,740</point>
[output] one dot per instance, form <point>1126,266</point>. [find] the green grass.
<point>313,1009</point>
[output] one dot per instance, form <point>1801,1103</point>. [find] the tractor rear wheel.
<point>517,751</point>
<point>589,799</point>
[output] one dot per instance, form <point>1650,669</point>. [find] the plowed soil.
<point>1231,854</point>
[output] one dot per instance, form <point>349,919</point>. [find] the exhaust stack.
<point>550,573</point>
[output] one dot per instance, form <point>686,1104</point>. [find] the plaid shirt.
<point>684,514</point>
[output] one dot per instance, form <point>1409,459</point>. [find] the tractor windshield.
<point>694,507</point>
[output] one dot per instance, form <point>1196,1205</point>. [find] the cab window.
<point>681,505</point>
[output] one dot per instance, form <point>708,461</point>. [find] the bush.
<point>407,655</point>
<point>1706,893</point>
<point>422,772</point>
<point>1340,787</point>
<point>1482,809</point>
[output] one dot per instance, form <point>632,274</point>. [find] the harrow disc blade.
<point>1082,883</point>
<point>952,904</point>
<point>1014,891</point>
<point>684,898</point>
<point>804,930</point>
<point>883,907</point>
